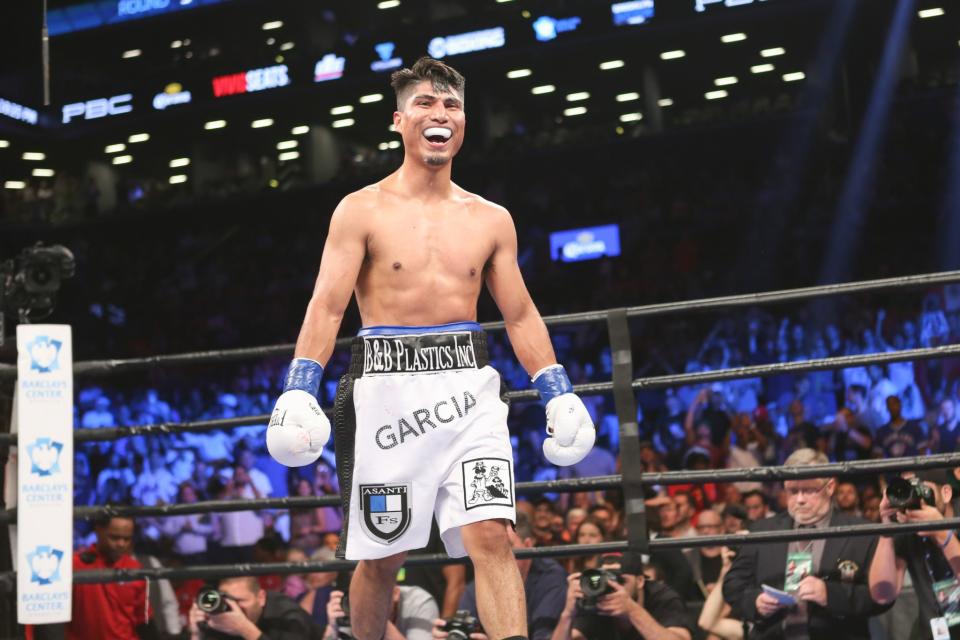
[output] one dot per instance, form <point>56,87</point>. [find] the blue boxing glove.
<point>569,427</point>
<point>298,427</point>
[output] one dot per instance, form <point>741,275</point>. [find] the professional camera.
<point>593,583</point>
<point>29,283</point>
<point>903,494</point>
<point>461,625</point>
<point>211,600</point>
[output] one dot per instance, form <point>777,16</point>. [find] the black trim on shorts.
<point>344,438</point>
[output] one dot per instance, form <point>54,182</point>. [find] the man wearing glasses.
<point>810,589</point>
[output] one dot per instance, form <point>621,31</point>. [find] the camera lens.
<point>209,600</point>
<point>901,494</point>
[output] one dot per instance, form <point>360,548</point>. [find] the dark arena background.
<point>739,218</point>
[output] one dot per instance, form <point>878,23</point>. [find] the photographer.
<point>932,557</point>
<point>544,583</point>
<point>251,613</point>
<point>411,615</point>
<point>632,608</point>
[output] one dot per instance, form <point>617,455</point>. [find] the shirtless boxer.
<point>420,408</point>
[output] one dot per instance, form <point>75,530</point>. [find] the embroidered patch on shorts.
<point>487,481</point>
<point>385,511</point>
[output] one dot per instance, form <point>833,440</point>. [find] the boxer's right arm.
<point>298,428</point>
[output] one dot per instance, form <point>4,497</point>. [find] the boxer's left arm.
<point>568,422</point>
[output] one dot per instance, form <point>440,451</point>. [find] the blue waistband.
<point>450,327</point>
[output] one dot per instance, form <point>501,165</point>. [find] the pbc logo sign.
<point>98,108</point>
<point>385,511</point>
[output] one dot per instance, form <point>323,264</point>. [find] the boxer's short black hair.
<point>442,76</point>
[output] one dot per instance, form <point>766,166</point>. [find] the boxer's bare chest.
<point>424,260</point>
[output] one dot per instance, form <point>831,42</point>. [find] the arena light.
<point>371,97</point>
<point>42,173</point>
<point>608,65</point>
<point>14,184</point>
<point>286,46</point>
<point>577,96</point>
<point>34,156</point>
<point>733,37</point>
<point>339,111</point>
<point>391,128</point>
<point>138,137</point>
<point>287,144</point>
<point>627,97</point>
<point>543,88</point>
<point>388,4</point>
<point>261,123</point>
<point>345,122</point>
<point>288,155</point>
<point>176,44</point>
<point>273,24</point>
<point>673,55</point>
<point>762,68</point>
<point>772,52</point>
<point>4,144</point>
<point>179,162</point>
<point>716,95</point>
<point>300,130</point>
<point>794,76</point>
<point>215,124</point>
<point>665,102</point>
<point>394,144</point>
<point>725,81</point>
<point>115,148</point>
<point>575,111</point>
<point>636,116</point>
<point>178,179</point>
<point>383,146</point>
<point>131,53</point>
<point>122,160</point>
<point>519,73</point>
<point>933,12</point>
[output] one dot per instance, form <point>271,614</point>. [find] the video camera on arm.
<point>29,283</point>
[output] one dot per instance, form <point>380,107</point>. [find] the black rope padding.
<point>621,353</point>
<point>105,367</point>
<point>94,576</point>
<point>656,382</point>
<point>572,485</point>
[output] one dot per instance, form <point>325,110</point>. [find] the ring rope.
<point>572,485</point>
<point>286,568</point>
<point>105,367</point>
<point>654,382</point>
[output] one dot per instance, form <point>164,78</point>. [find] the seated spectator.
<point>306,525</point>
<point>590,531</point>
<point>686,510</point>
<point>948,426</point>
<point>755,504</point>
<point>412,615</point>
<point>574,517</point>
<point>638,609</point>
<point>544,584</point>
<point>543,513</point>
<point>189,532</point>
<point>734,518</point>
<point>109,609</point>
<point>706,562</point>
<point>848,498</point>
<point>254,613</point>
<point>319,585</point>
<point>715,616</point>
<point>295,584</point>
<point>269,549</point>
<point>899,437</point>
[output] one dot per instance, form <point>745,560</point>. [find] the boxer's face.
<point>431,123</point>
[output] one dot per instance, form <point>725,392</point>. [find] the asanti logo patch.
<point>385,511</point>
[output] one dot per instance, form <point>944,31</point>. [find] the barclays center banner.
<point>45,474</point>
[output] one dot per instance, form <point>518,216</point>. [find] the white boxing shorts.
<point>420,429</point>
